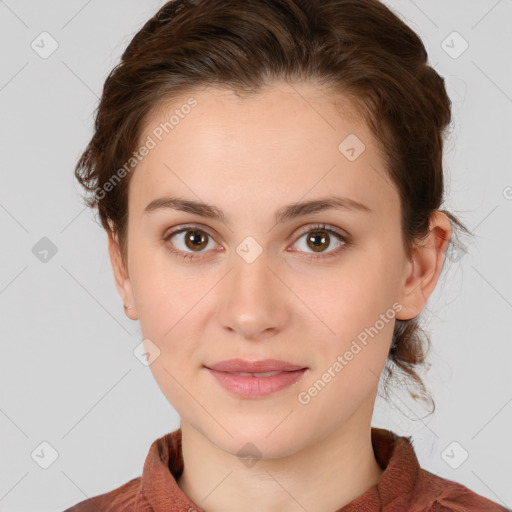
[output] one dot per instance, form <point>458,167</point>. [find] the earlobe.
<point>121,277</point>
<point>425,267</point>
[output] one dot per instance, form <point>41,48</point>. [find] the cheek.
<point>348,296</point>
<point>357,309</point>
<point>174,376</point>
<point>169,313</point>
<point>163,292</point>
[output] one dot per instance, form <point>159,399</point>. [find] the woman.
<point>269,174</point>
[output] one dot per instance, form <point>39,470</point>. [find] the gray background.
<point>68,376</point>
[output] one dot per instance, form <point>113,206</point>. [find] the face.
<point>317,287</point>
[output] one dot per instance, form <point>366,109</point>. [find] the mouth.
<point>254,384</point>
<point>264,374</point>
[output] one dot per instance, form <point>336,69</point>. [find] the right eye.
<point>189,238</point>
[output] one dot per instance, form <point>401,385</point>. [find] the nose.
<point>254,301</point>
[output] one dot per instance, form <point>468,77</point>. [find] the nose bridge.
<point>251,272</point>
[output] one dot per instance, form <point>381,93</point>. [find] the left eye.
<point>319,239</point>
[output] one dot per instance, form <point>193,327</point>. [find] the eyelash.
<point>310,256</point>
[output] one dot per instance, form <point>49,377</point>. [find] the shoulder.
<point>120,499</point>
<point>406,486</point>
<point>437,494</point>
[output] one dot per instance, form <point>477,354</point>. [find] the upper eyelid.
<point>187,227</point>
<point>307,229</point>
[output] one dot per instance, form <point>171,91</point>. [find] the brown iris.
<point>195,239</point>
<point>318,237</point>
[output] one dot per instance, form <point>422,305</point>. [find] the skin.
<point>250,157</point>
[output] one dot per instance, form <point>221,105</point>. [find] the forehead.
<point>296,111</point>
<point>286,139</point>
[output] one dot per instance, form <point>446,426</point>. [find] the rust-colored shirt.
<point>402,487</point>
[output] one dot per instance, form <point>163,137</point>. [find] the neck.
<point>323,476</point>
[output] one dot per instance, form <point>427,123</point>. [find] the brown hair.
<point>357,48</point>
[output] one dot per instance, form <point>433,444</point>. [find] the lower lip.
<point>251,387</point>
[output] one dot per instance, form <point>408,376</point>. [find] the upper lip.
<point>264,365</point>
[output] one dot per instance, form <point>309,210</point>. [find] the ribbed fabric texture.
<point>402,487</point>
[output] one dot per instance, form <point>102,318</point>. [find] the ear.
<point>122,279</point>
<point>424,267</point>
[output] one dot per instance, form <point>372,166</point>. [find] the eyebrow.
<point>284,214</point>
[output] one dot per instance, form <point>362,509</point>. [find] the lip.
<point>263,365</point>
<point>225,372</point>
